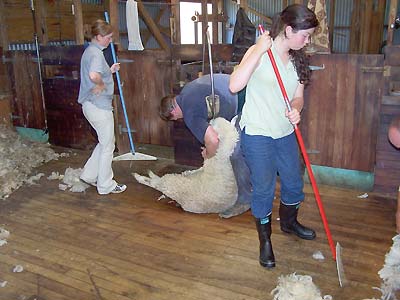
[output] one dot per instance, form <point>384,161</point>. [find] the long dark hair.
<point>299,17</point>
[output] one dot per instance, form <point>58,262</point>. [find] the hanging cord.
<point>46,129</point>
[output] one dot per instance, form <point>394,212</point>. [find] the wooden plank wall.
<point>67,124</point>
<point>57,19</point>
<point>341,113</point>
<point>5,94</point>
<point>27,104</point>
<point>387,171</point>
<point>146,77</point>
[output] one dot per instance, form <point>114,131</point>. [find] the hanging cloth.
<point>320,38</point>
<point>132,23</point>
<point>244,35</point>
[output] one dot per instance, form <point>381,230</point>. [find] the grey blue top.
<point>93,61</point>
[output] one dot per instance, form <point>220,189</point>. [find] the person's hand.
<point>293,116</point>
<point>98,88</point>
<point>115,67</point>
<point>264,42</point>
<point>204,152</point>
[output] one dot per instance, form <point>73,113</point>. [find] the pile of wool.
<point>390,273</point>
<point>18,158</point>
<point>297,287</point>
<point>71,180</point>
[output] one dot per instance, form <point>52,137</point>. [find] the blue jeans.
<point>266,158</point>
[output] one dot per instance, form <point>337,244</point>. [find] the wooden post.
<point>214,21</point>
<point>331,22</point>
<point>175,23</point>
<point>40,21</point>
<point>78,17</point>
<point>204,24</point>
<point>114,21</point>
<point>391,18</point>
<point>243,4</point>
<point>3,27</point>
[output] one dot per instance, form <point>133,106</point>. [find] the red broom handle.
<point>304,152</point>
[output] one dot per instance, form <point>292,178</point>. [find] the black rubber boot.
<point>289,223</point>
<point>267,258</point>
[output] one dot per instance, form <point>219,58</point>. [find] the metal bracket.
<point>317,68</point>
<point>125,60</point>
<point>124,130</point>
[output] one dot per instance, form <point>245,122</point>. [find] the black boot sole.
<point>304,237</point>
<point>268,265</point>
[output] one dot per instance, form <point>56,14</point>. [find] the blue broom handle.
<point>121,94</point>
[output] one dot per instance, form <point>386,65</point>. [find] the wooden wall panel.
<point>66,123</point>
<point>387,174</point>
<point>146,79</point>
<point>5,94</point>
<point>57,15</point>
<point>341,113</point>
<point>27,101</point>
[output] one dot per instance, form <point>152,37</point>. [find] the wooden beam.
<point>174,22</point>
<point>391,18</point>
<point>331,22</point>
<point>214,21</point>
<point>268,20</point>
<point>204,13</point>
<point>78,17</point>
<point>355,27</point>
<point>3,27</point>
<point>114,21</point>
<point>40,21</point>
<point>151,25</point>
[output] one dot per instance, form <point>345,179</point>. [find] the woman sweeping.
<point>268,138</point>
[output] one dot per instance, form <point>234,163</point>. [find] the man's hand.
<point>204,152</point>
<point>211,142</point>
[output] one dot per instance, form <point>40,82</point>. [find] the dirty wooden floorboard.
<point>84,246</point>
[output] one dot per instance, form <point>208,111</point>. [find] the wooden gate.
<point>341,113</point>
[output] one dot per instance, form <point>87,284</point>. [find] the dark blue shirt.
<point>192,101</point>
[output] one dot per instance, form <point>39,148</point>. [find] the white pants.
<point>98,167</point>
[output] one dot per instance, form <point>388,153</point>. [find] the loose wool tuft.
<point>297,287</point>
<point>390,273</point>
<point>210,189</point>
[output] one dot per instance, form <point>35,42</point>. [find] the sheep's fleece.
<point>210,189</point>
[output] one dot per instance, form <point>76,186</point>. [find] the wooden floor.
<point>83,246</point>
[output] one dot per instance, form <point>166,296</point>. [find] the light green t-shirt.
<point>264,109</point>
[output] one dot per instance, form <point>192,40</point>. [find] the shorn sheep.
<point>210,189</point>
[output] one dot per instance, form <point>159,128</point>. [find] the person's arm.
<point>297,104</point>
<point>95,77</point>
<point>242,73</point>
<point>398,212</point>
<point>211,142</point>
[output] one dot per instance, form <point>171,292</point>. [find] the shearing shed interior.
<point>152,214</point>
